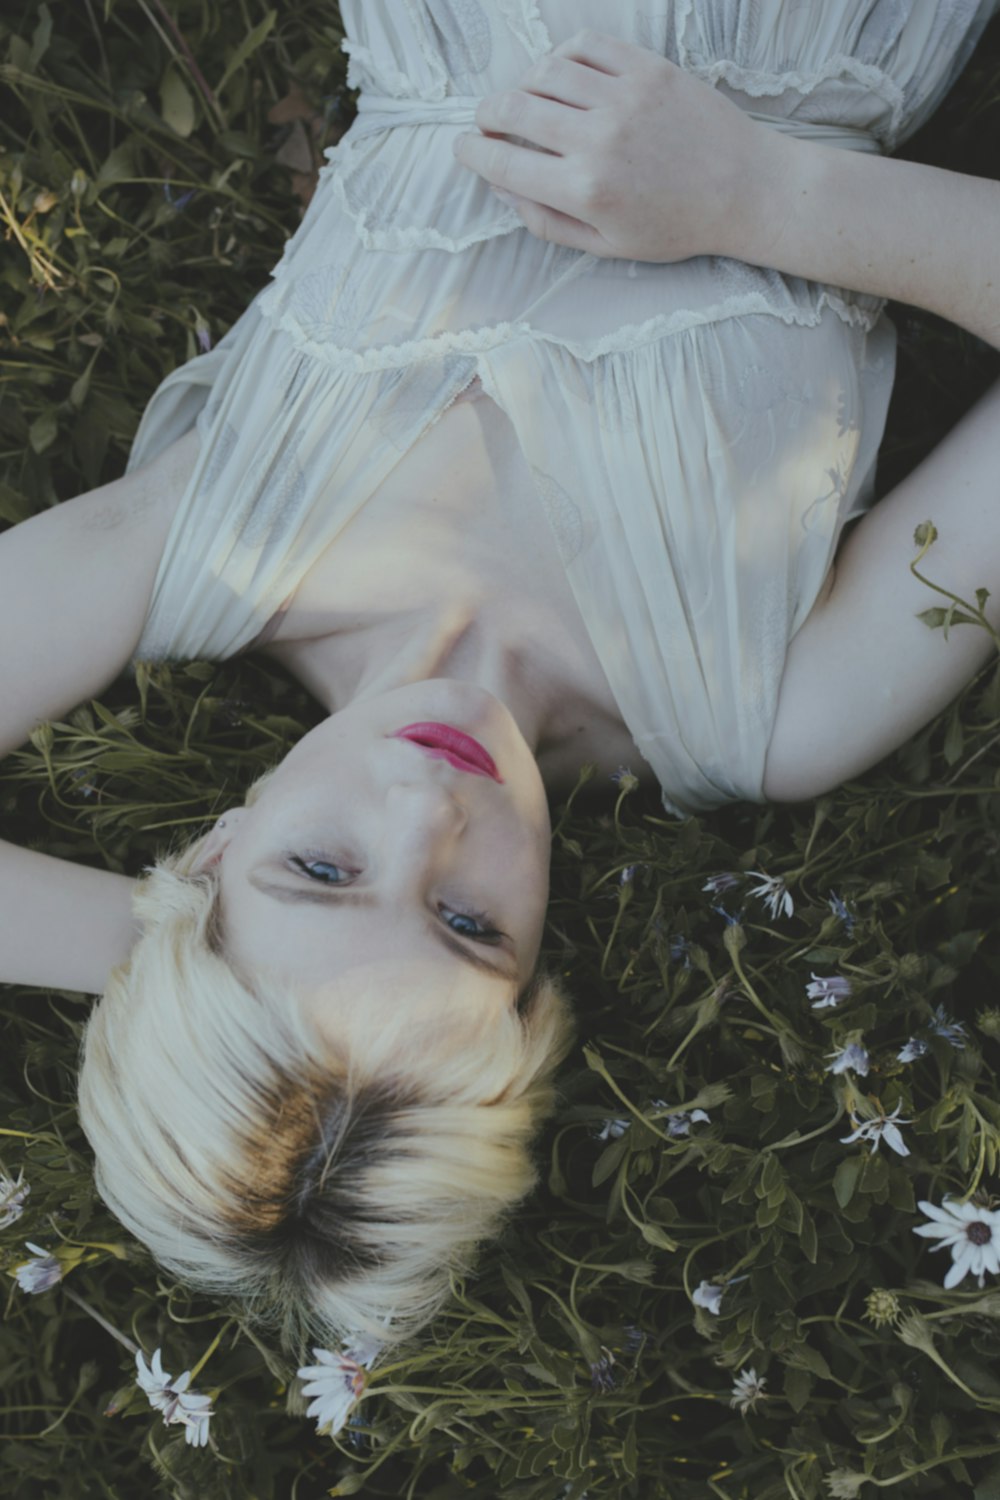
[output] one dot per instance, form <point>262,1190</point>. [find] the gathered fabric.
<point>698,434</point>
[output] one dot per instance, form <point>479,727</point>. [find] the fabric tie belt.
<point>381,111</point>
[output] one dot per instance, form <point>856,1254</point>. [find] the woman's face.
<point>363,850</point>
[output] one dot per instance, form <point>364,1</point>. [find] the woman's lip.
<point>453,745</point>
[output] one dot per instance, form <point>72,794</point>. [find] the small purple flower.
<point>612,1130</point>
<point>827,989</point>
<point>204,337</point>
<point>680,1124</point>
<point>625,778</point>
<point>601,1372</point>
<point>627,875</point>
<point>731,921</point>
<point>679,946</point>
<point>840,909</point>
<point>709,1296</point>
<point>724,881</point>
<point>914,1048</point>
<point>953,1031</point>
<point>181,200</point>
<point>39,1274</point>
<point>853,1056</point>
<point>634,1338</point>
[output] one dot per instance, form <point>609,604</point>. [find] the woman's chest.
<point>458,519</point>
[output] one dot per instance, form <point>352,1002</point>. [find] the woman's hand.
<point>627,154</point>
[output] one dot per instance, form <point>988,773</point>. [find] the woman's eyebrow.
<point>318,896</point>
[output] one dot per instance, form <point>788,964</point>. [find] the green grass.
<point>109,279</point>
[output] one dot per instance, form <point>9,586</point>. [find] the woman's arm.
<point>630,156</point>
<point>75,584</point>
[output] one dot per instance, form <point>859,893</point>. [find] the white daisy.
<point>852,1056</point>
<point>874,1130</point>
<point>12,1196</point>
<point>708,1296</point>
<point>173,1399</point>
<point>772,892</point>
<point>748,1389</point>
<point>336,1382</point>
<point>973,1234</point>
<point>39,1274</point>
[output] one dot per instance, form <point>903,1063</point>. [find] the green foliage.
<point>575,1362</point>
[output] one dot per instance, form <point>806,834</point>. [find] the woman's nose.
<point>426,810</point>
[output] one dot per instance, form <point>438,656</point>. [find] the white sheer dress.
<point>697,433</point>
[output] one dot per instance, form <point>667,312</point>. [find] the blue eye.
<point>317,869</point>
<point>485,932</point>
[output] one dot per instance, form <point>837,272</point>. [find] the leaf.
<point>41,37</point>
<point>247,48</point>
<point>43,431</point>
<point>954,740</point>
<point>845,1179</point>
<point>116,167</point>
<point>808,1238</point>
<point>808,1358</point>
<point>516,1287</point>
<point>177,104</point>
<point>797,1386</point>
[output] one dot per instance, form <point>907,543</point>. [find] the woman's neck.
<point>464,641</point>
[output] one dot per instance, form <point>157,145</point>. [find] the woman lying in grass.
<point>510,484</point>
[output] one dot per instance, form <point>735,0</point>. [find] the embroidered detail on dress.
<point>221,451</point>
<point>274,489</point>
<point>525,22</point>
<point>435,66</point>
<point>563,514</point>
<point>465,34</point>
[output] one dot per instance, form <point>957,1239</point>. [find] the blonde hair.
<point>329,1192</point>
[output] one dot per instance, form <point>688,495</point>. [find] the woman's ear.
<point>215,845</point>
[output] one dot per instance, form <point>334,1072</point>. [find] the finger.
<point>569,82</point>
<point>554,227</point>
<point>609,54</point>
<point>518,169</point>
<point>543,122</point>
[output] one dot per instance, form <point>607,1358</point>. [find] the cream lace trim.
<point>359,57</point>
<point>758,84</point>
<point>622,340</point>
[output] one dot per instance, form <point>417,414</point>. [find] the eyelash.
<point>490,934</point>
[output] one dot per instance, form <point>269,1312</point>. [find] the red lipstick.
<point>452,745</point>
